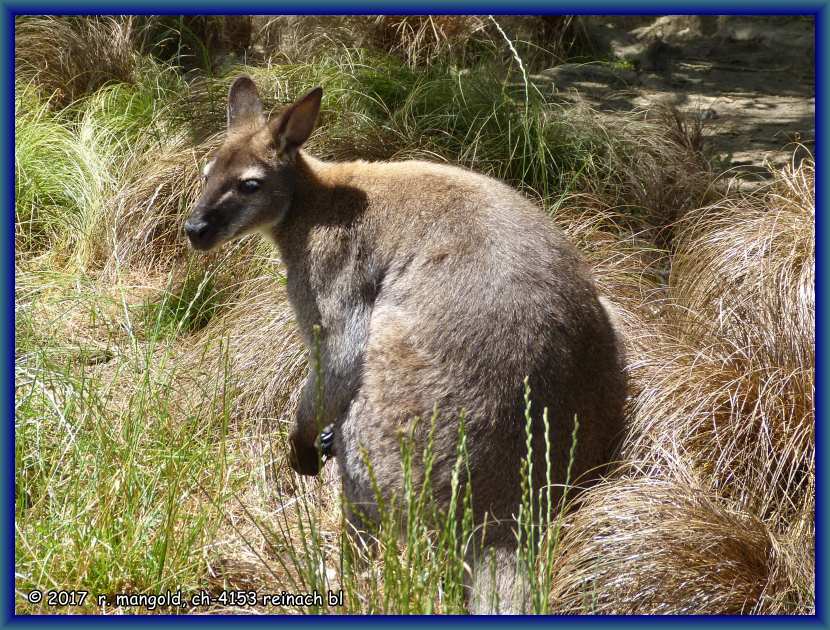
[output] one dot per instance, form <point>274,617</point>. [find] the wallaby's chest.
<point>333,276</point>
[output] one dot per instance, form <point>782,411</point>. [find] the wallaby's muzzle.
<point>197,230</point>
<point>202,233</point>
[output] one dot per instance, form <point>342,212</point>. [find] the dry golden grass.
<point>149,208</point>
<point>418,39</point>
<point>628,269</point>
<point>655,170</point>
<point>712,508</point>
<point>645,545</point>
<point>752,257</point>
<point>285,38</point>
<point>734,380</point>
<point>742,423</point>
<point>266,522</point>
<point>267,356</point>
<point>421,39</point>
<point>69,57</point>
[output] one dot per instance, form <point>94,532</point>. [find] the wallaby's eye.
<point>249,185</point>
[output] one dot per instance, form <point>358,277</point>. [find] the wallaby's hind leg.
<point>499,586</point>
<point>359,499</point>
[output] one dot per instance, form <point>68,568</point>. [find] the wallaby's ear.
<point>244,105</point>
<point>295,124</point>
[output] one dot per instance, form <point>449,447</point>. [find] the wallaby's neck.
<point>311,195</point>
<point>322,201</point>
<point>312,182</point>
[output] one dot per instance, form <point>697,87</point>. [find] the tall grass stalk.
<point>540,517</point>
<point>518,60</point>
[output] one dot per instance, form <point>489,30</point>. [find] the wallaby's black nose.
<point>195,228</point>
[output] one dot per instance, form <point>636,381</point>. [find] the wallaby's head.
<point>250,180</point>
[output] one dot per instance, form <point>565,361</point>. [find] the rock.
<point>568,74</point>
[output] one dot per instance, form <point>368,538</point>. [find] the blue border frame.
<point>403,7</point>
<point>300,7</point>
<point>7,341</point>
<point>822,28</point>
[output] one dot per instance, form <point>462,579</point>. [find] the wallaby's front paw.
<point>325,442</point>
<point>304,459</point>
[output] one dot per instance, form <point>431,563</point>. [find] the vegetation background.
<point>154,386</point>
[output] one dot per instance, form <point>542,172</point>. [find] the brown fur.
<point>432,287</point>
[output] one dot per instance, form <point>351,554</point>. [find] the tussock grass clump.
<point>420,40</point>
<point>737,388</point>
<point>713,508</point>
<point>132,117</point>
<point>54,179</point>
<point>281,39</point>
<point>61,178</point>
<point>424,39</point>
<point>69,57</point>
<point>150,206</point>
<point>72,56</point>
<point>744,422</point>
<point>648,165</point>
<point>668,546</point>
<point>190,42</point>
<point>629,270</point>
<point>69,163</point>
<point>748,261</point>
<point>264,348</point>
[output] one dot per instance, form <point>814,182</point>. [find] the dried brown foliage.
<point>629,270</point>
<point>748,260</point>
<point>645,545</point>
<point>421,39</point>
<point>417,39</point>
<point>266,357</point>
<point>658,169</point>
<point>712,509</point>
<point>734,381</point>
<point>69,57</point>
<point>148,210</point>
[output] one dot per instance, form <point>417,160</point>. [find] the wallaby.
<point>420,287</point>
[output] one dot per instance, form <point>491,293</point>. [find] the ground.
<point>751,79</point>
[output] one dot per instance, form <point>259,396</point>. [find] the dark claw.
<point>325,442</point>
